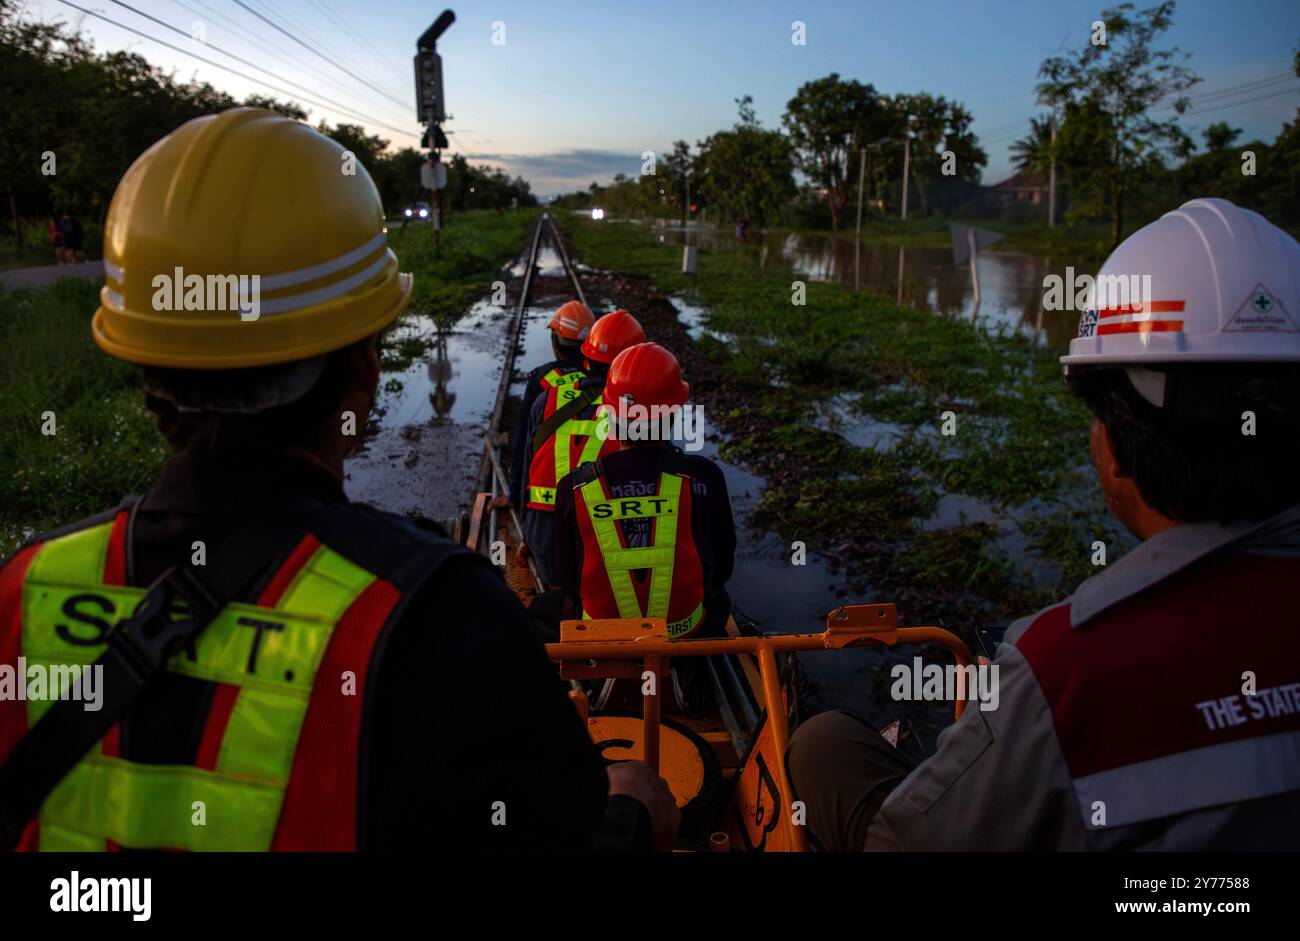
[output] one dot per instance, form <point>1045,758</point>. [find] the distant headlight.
<point>424,213</point>
<point>408,212</point>
<point>598,214</point>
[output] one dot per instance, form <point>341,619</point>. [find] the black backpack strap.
<point>587,473</point>
<point>560,416</point>
<point>138,648</point>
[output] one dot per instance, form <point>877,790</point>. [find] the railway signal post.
<point>431,110</point>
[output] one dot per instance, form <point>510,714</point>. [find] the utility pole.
<point>1051,186</point>
<point>907,163</point>
<point>857,233</point>
<point>862,172</point>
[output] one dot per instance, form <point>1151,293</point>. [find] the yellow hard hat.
<point>244,239</point>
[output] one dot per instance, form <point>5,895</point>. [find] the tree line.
<point>834,130</point>
<point>1121,155</point>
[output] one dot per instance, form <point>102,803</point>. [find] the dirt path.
<point>47,274</point>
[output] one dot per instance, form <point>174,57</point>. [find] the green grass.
<point>475,246</point>
<point>1020,439</point>
<point>105,443</point>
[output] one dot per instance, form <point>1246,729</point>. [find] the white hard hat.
<point>1224,287</point>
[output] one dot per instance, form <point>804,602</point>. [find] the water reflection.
<point>918,275</point>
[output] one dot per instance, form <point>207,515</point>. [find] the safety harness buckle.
<point>150,636</point>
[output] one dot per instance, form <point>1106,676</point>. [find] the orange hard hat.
<point>611,335</point>
<point>646,374</point>
<point>572,321</point>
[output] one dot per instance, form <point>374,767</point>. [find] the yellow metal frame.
<point>599,649</point>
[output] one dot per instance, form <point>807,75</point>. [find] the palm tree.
<point>1033,151</point>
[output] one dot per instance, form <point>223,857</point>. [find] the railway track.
<point>491,478</point>
<point>721,746</point>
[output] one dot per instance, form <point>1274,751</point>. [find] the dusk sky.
<point>581,88</point>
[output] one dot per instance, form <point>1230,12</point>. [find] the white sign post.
<point>967,242</point>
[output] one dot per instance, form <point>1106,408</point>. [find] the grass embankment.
<point>1020,448</point>
<point>105,443</point>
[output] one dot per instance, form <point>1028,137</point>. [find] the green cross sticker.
<point>1262,302</point>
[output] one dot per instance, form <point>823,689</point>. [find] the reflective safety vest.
<point>675,587</point>
<point>277,762</point>
<point>577,442</point>
<point>560,375</point>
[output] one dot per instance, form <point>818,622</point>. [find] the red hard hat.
<point>646,374</point>
<point>572,321</point>
<point>611,335</point>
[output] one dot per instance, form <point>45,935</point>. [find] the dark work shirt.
<point>467,709</point>
<point>636,470</point>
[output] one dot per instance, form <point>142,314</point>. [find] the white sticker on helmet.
<point>1261,312</point>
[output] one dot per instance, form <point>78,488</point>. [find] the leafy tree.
<point>937,126</point>
<point>1122,80</point>
<point>747,171</point>
<point>829,120</point>
<point>366,147</point>
<point>1220,135</point>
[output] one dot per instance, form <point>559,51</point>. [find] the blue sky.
<point>581,88</point>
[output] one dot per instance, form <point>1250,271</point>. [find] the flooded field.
<point>919,276</point>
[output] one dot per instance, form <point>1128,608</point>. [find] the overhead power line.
<point>305,32</point>
<point>357,35</point>
<point>279,54</point>
<point>223,67</point>
<point>1219,98</point>
<point>242,60</point>
<point>276,26</point>
<point>1248,101</point>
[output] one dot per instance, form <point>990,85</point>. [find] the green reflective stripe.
<point>665,536</point>
<point>77,555</point>
<point>224,649</point>
<point>556,379</point>
<point>595,430</point>
<point>542,495</point>
<point>63,561</point>
<point>326,587</point>
<point>687,624</point>
<point>152,807</point>
<point>264,723</point>
<point>55,839</point>
<point>271,654</point>
<point>619,561</point>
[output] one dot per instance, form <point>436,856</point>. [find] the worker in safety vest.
<point>564,432</point>
<point>647,531</point>
<point>1158,707</point>
<point>569,327</point>
<point>257,649</point>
